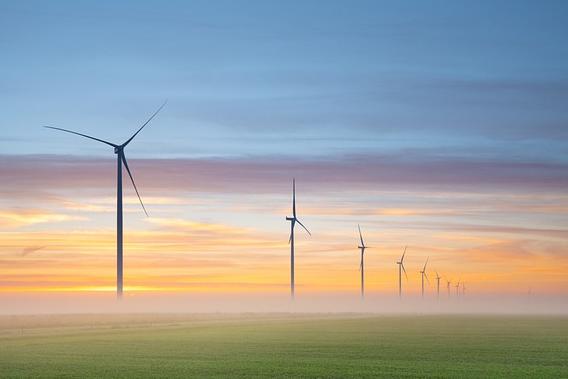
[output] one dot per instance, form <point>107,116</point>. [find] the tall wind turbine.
<point>121,160</point>
<point>438,277</point>
<point>458,289</point>
<point>449,283</point>
<point>400,270</point>
<point>362,247</point>
<point>293,220</point>
<point>424,275</point>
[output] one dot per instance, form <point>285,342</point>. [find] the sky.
<point>436,125</point>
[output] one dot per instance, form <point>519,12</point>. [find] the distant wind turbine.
<point>463,289</point>
<point>438,277</point>
<point>121,160</point>
<point>293,220</point>
<point>362,247</point>
<point>400,270</point>
<point>458,289</point>
<point>424,275</point>
<point>449,283</point>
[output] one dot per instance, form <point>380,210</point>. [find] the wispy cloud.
<point>18,217</point>
<point>406,172</point>
<point>31,249</point>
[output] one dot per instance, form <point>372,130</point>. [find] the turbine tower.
<point>438,277</point>
<point>458,289</point>
<point>362,247</point>
<point>121,161</point>
<point>449,283</point>
<point>400,270</point>
<point>293,220</point>
<point>424,275</point>
<point>463,289</point>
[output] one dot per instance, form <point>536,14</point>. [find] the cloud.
<point>407,171</point>
<point>18,217</point>
<point>31,249</point>
<point>194,226</point>
<point>366,210</point>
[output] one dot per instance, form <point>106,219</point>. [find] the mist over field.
<point>11,304</point>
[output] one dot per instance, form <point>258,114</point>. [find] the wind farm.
<point>331,190</point>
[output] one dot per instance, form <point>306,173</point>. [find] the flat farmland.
<point>283,345</point>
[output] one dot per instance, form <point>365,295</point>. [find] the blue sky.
<point>485,79</point>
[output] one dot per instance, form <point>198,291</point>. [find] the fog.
<point>74,303</point>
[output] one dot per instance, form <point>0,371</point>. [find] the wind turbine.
<point>448,282</point>
<point>362,247</point>
<point>400,270</point>
<point>121,160</point>
<point>293,220</point>
<point>423,274</point>
<point>438,277</point>
<point>458,289</point>
<point>463,289</point>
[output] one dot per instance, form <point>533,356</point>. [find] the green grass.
<point>284,346</point>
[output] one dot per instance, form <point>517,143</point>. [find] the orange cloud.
<point>18,217</point>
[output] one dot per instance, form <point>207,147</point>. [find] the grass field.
<point>248,346</point>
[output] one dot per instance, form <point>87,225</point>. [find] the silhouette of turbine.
<point>362,247</point>
<point>424,275</point>
<point>438,277</point>
<point>293,220</point>
<point>400,264</point>
<point>121,161</point>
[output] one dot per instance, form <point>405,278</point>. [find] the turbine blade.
<point>425,264</point>
<point>403,254</point>
<point>428,280</point>
<point>134,184</point>
<point>292,231</point>
<point>294,197</point>
<point>82,135</point>
<point>361,235</point>
<point>146,123</point>
<point>403,269</point>
<point>299,222</point>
